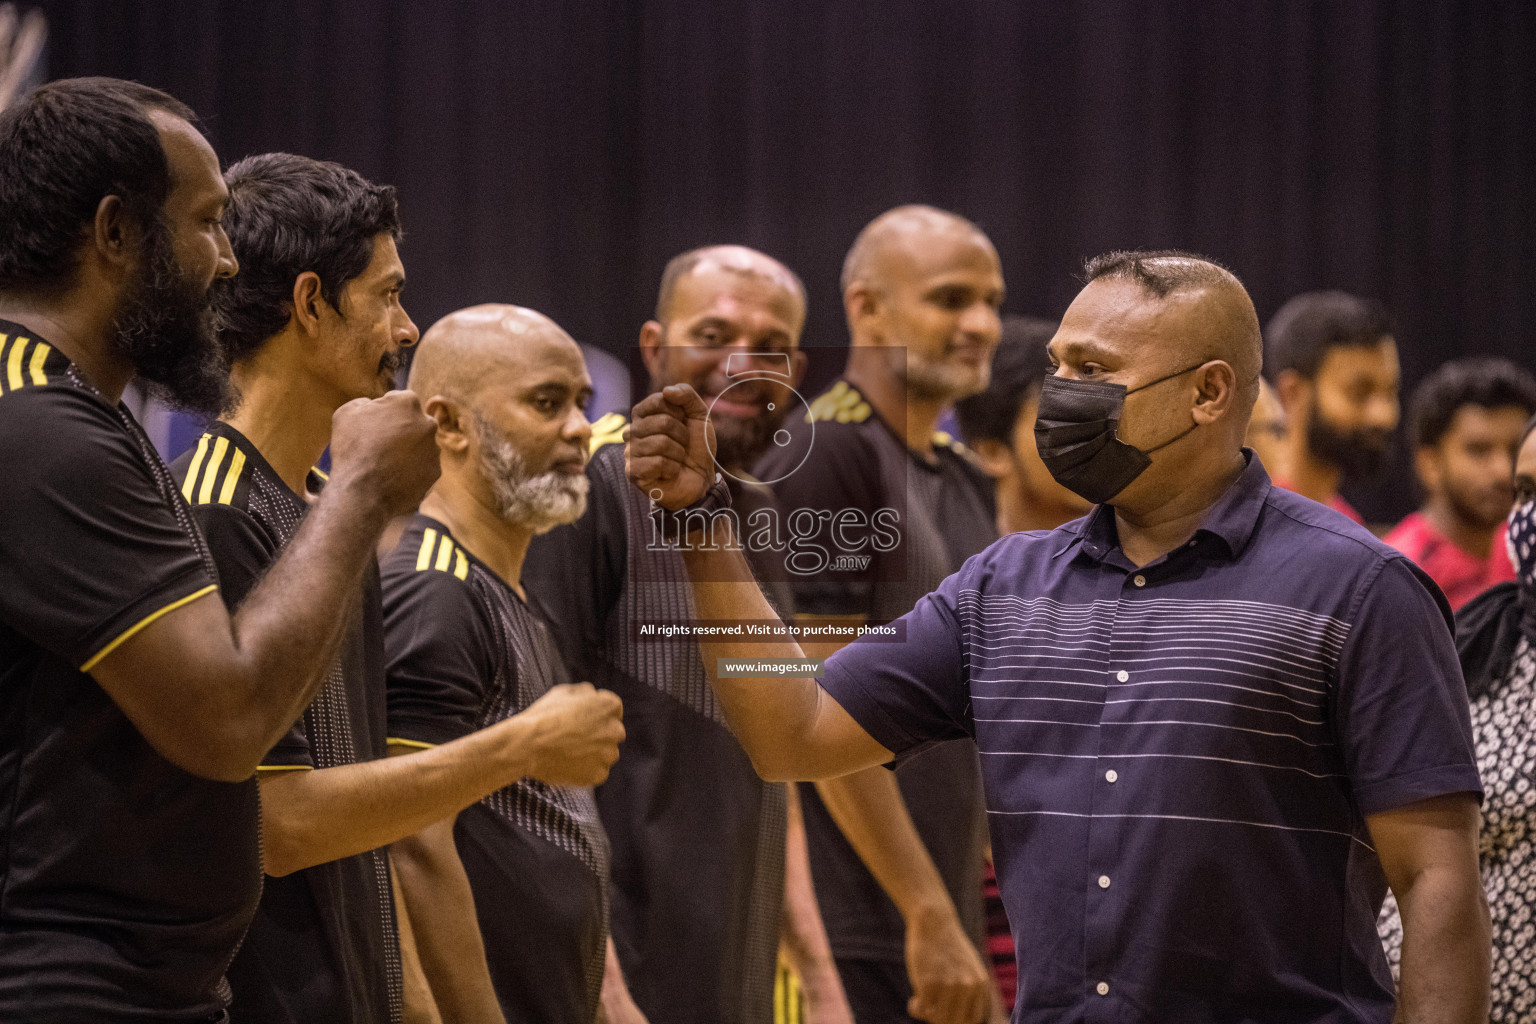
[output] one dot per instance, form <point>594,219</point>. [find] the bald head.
<point>1221,321</point>
<point>898,238</point>
<point>472,348</point>
<point>736,260</point>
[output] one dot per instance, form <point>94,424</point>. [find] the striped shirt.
<point>1179,758</point>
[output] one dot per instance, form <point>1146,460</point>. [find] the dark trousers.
<point>877,990</point>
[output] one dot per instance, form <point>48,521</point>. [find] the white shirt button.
<point>1102,988</point>
<point>1103,881</point>
<point>1140,581</point>
<point>1111,775</point>
<point>1123,676</point>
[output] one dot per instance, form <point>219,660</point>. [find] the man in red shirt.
<point>1467,419</point>
<point>1333,362</point>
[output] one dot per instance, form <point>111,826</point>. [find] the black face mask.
<point>1075,433</point>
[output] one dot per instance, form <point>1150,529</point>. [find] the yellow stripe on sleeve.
<point>285,768</point>
<point>424,556</point>
<point>197,462</point>
<point>95,659</point>
<point>444,555</point>
<point>39,357</point>
<point>3,339</point>
<point>211,474</point>
<point>396,741</point>
<point>461,566</point>
<point>13,363</point>
<point>232,477</point>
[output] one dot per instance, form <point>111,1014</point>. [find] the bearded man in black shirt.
<point>314,321</point>
<point>134,709</point>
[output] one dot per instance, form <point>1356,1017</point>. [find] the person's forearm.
<point>288,629</point>
<point>417,1004</point>
<point>442,910</point>
<point>1446,949</point>
<point>873,817</point>
<point>313,817</point>
<point>803,934</point>
<point>776,720</point>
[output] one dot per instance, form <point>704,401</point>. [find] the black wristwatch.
<point>696,516</point>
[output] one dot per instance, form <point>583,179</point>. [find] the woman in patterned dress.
<point>1496,638</point>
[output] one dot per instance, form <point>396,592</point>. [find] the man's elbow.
<point>221,754</point>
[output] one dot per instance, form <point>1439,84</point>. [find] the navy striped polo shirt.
<point>1179,759</point>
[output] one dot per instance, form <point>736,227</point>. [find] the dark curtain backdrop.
<point>556,154</point>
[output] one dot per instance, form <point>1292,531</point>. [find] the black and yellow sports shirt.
<point>125,882</point>
<point>323,945</point>
<point>698,838</point>
<point>465,652</point>
<point>944,508</point>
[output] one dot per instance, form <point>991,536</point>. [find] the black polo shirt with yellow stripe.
<point>125,882</point>
<point>323,945</point>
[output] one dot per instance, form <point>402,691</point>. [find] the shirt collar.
<point>1231,520</point>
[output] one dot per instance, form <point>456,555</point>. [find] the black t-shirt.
<point>464,653</point>
<point>125,882</point>
<point>323,945</point>
<point>698,838</point>
<point>944,509</point>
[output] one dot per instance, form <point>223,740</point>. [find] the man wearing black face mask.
<point>1333,361</point>
<point>1216,720</point>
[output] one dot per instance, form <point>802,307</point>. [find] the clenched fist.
<point>670,446</point>
<point>574,734</point>
<point>387,448</point>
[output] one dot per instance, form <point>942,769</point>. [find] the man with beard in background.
<point>508,896</point>
<point>706,855</point>
<point>921,290</point>
<point>133,710</point>
<point>1333,362</point>
<point>1467,418</point>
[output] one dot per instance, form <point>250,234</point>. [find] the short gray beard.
<point>539,503</point>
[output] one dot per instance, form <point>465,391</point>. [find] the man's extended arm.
<point>569,736</point>
<point>212,693</point>
<point>1428,850</point>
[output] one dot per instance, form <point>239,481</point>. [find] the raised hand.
<point>387,447</point>
<point>670,446</point>
<point>575,734</point>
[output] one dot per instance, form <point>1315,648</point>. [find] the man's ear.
<point>1294,392</point>
<point>307,300</point>
<point>994,456</point>
<point>1216,391</point>
<point>453,424</point>
<point>1426,465</point>
<point>652,339</point>
<point>113,237</point>
<point>864,309</point>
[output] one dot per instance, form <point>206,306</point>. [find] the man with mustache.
<point>134,707</point>
<point>1217,720</point>
<point>509,897</point>
<point>1468,418</point>
<point>921,289</point>
<point>314,321</point>
<point>1333,362</point>
<point>699,841</point>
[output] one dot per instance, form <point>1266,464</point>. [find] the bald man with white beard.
<point>509,897</point>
